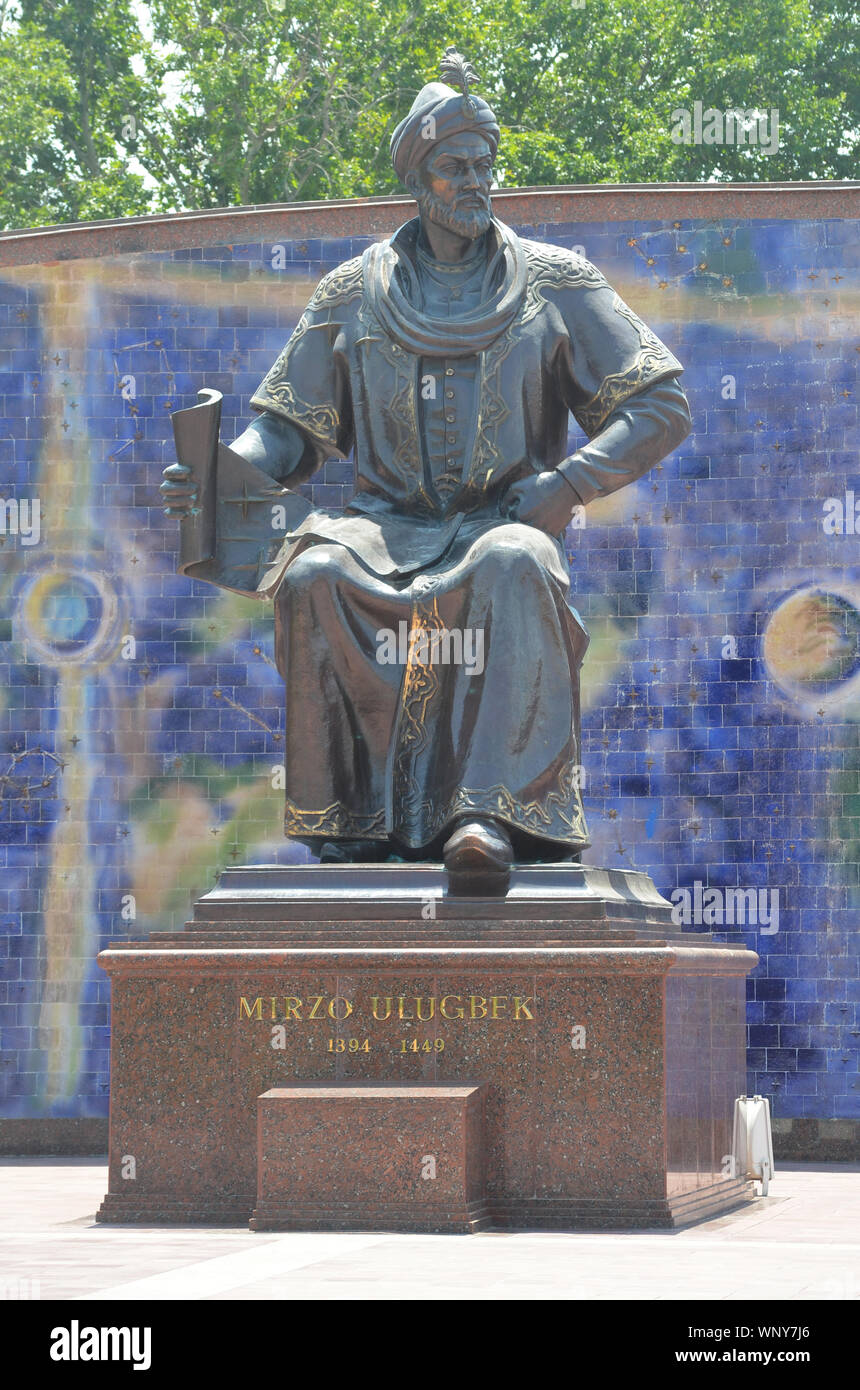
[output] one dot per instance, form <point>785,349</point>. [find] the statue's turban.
<point>438,112</point>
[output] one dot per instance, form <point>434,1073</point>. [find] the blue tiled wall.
<point>141,716</point>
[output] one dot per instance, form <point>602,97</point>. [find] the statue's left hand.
<point>544,500</point>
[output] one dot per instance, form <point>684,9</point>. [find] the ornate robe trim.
<point>652,361</point>
<point>322,420</point>
<point>335,822</point>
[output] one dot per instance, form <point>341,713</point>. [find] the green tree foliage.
<point>113,107</point>
<point>33,83</point>
<point>70,71</point>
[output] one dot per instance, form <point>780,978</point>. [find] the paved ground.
<point>802,1242</point>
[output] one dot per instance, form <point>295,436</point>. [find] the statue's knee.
<point>315,567</point>
<point>517,551</point>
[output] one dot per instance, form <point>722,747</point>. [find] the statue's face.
<point>452,185</point>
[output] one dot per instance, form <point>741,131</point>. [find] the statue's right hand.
<point>179,493</point>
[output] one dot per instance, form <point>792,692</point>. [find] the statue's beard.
<point>471,223</point>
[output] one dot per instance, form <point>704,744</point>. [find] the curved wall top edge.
<point>381,216</point>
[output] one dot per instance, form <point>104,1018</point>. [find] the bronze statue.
<point>430,657</point>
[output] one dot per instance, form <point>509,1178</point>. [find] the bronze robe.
<point>395,752</point>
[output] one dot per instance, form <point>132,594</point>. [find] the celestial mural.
<point>141,715</point>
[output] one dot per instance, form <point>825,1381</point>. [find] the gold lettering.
<point>450,1006</point>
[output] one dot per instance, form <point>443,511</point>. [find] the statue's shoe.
<point>478,857</point>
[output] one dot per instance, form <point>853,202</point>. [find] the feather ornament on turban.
<point>438,112</point>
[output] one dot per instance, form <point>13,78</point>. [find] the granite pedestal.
<point>370,1156</point>
<point>610,1046</point>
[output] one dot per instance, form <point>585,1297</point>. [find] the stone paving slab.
<point>800,1243</point>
